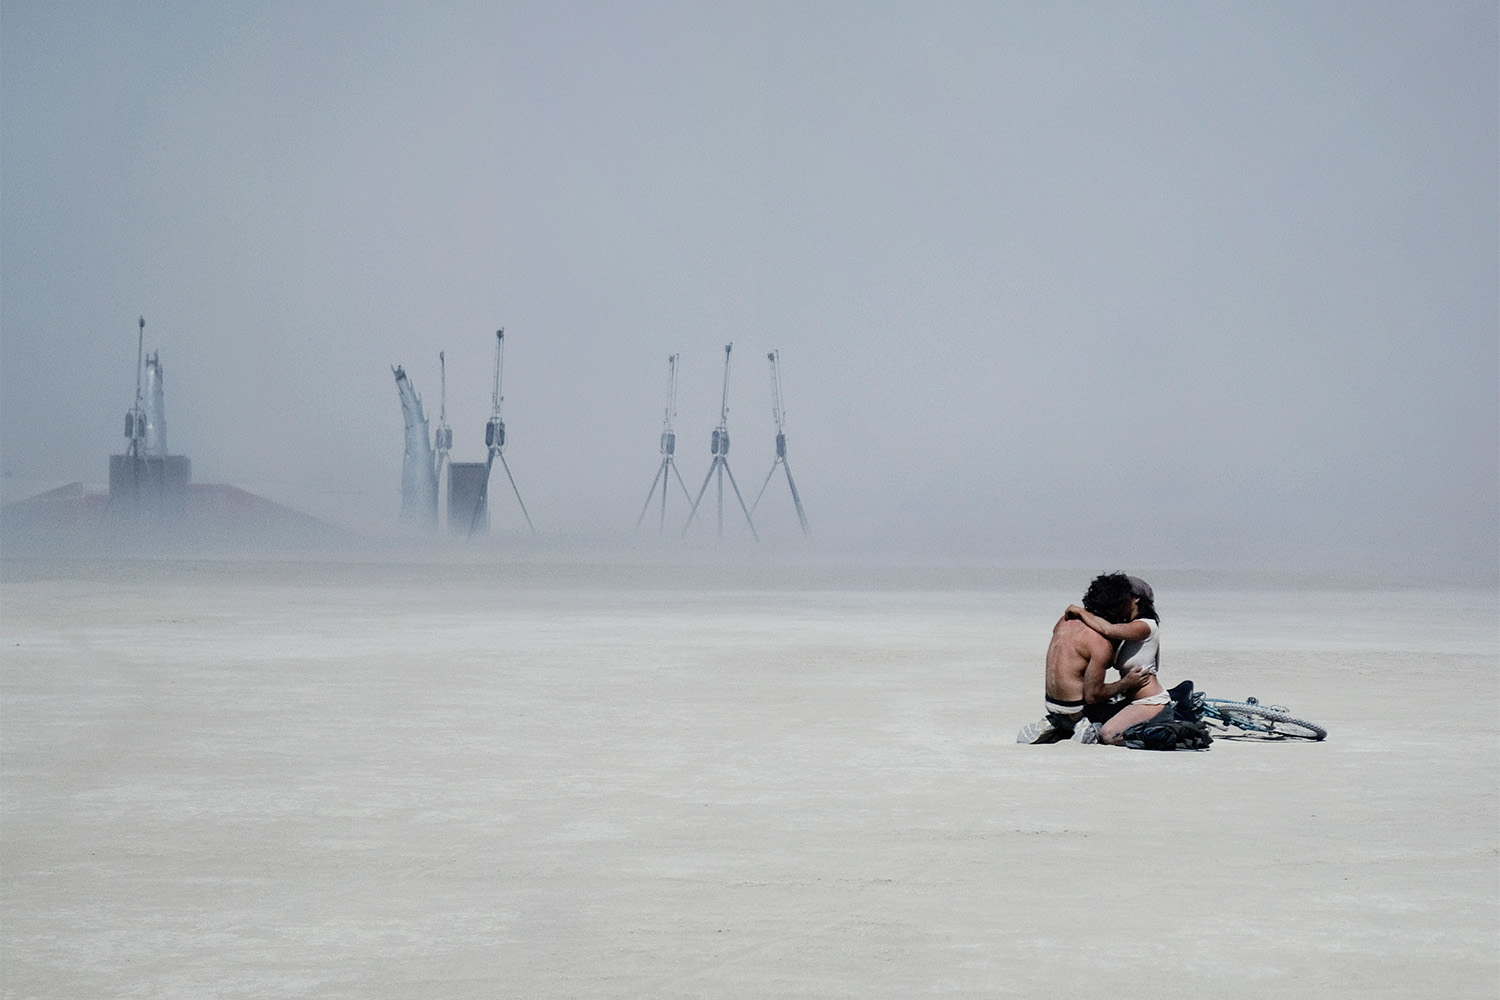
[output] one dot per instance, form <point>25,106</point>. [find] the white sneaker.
<point>1086,732</point>
<point>1040,732</point>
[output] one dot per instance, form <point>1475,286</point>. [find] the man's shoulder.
<point>1069,629</point>
<point>1080,633</point>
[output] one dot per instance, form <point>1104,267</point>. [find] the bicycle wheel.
<point>1272,723</point>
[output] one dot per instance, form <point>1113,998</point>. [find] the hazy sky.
<point>1095,284</point>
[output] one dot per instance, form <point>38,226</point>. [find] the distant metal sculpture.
<point>780,416</point>
<point>494,439</point>
<point>668,446</point>
<point>156,411</point>
<point>720,464</point>
<point>135,418</point>
<point>418,475</point>
<point>145,479</point>
<point>442,438</point>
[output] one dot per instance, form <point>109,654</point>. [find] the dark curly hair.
<point>1109,597</point>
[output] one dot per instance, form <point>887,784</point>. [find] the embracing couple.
<point>1117,626</point>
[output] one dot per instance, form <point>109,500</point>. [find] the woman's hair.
<point>1145,599</point>
<point>1109,597</point>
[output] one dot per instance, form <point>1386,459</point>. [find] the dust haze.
<point>1097,286</point>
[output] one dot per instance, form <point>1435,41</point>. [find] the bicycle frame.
<point>1268,722</point>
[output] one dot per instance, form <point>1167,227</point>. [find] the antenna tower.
<point>668,446</point>
<point>494,439</point>
<point>720,463</point>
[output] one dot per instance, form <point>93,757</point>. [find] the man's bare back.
<point>1077,658</point>
<point>1073,648</point>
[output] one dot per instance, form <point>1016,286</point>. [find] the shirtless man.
<point>1077,659</point>
<point>1137,643</point>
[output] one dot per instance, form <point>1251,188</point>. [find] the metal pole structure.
<point>668,449</point>
<point>720,464</point>
<point>775,415</point>
<point>670,445</point>
<point>668,438</point>
<point>137,429</point>
<point>779,415</point>
<point>517,492</point>
<point>444,440</point>
<point>137,419</point>
<point>723,436</point>
<point>660,470</point>
<point>494,439</point>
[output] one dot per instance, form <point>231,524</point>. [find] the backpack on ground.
<point>1178,726</point>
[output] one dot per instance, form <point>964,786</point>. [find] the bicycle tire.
<point>1269,721</point>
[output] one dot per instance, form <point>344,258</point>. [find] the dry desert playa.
<point>259,779</point>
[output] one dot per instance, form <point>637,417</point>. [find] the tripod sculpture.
<point>775,358</point>
<point>443,436</point>
<point>720,463</point>
<point>494,439</point>
<point>668,446</point>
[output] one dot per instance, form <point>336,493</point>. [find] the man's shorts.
<point>1070,708</point>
